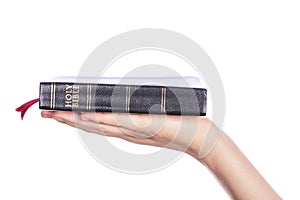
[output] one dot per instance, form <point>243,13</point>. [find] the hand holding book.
<point>162,128</point>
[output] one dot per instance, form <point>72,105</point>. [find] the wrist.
<point>212,159</point>
<point>203,142</point>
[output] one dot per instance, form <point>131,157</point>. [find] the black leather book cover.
<point>69,96</point>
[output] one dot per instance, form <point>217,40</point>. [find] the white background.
<point>254,44</point>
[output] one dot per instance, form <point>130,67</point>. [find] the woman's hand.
<point>194,135</point>
<point>184,133</point>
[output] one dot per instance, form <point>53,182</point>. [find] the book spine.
<point>122,98</point>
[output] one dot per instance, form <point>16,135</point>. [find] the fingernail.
<point>46,115</point>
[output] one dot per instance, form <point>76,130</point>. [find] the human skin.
<point>224,159</point>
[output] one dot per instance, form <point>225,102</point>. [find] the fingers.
<point>175,132</point>
<point>125,120</point>
<point>47,114</point>
<point>101,117</point>
<point>73,119</point>
<point>134,125</point>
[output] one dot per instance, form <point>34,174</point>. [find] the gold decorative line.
<point>54,88</point>
<point>128,99</point>
<point>164,99</point>
<point>51,95</point>
<point>87,97</point>
<point>90,95</point>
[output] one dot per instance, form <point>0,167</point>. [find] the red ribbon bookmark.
<point>23,108</point>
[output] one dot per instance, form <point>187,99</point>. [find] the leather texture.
<point>123,98</point>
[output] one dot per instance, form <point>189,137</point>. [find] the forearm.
<point>235,173</point>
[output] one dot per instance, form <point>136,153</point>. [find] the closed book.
<point>125,98</point>
<point>72,96</point>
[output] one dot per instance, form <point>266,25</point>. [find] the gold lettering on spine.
<point>71,96</point>
<point>68,88</point>
<point>68,96</point>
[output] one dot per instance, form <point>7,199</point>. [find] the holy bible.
<point>146,99</point>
